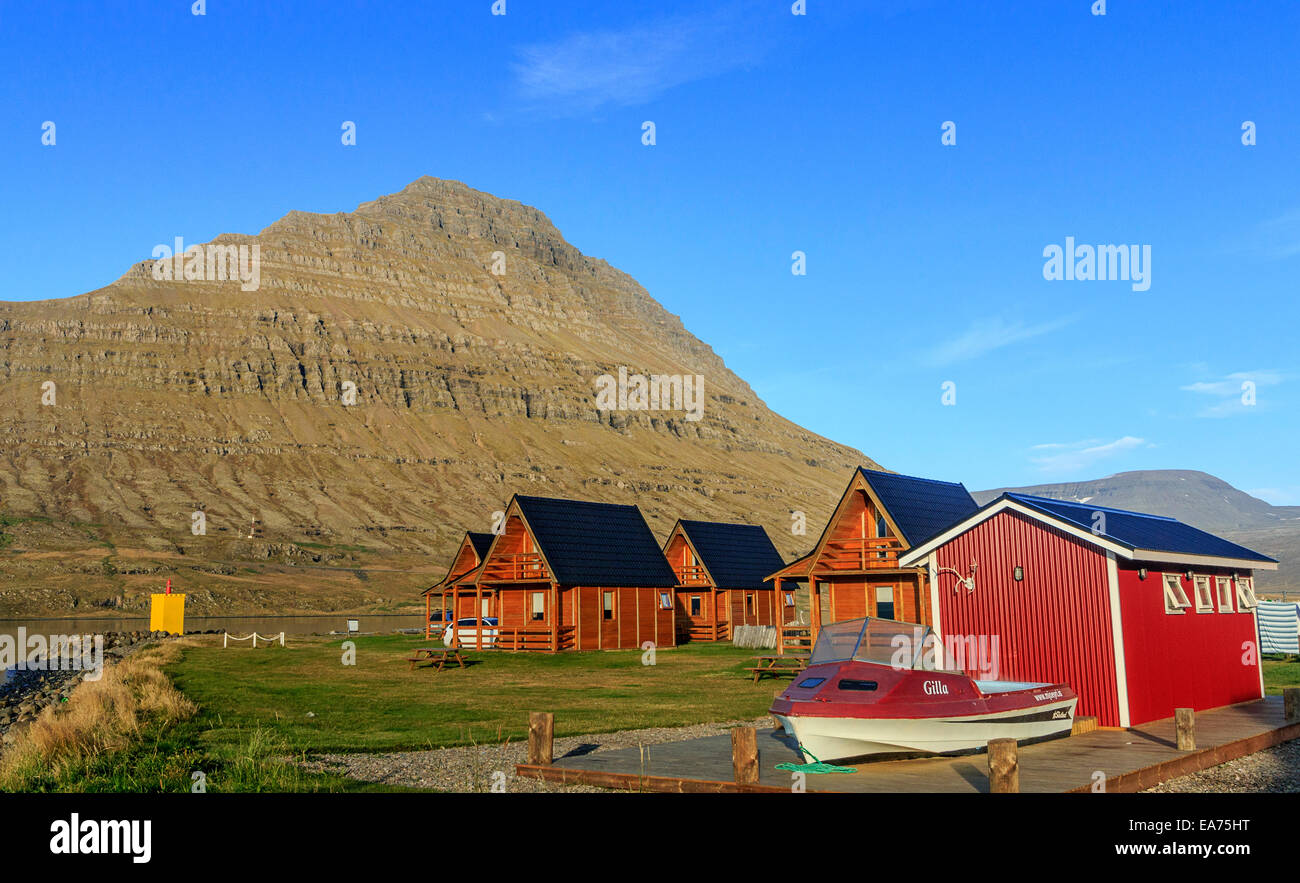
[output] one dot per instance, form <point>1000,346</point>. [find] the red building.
<point>1141,614</point>
<point>570,575</point>
<point>722,579</point>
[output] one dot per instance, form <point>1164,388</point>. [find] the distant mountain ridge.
<point>1196,498</point>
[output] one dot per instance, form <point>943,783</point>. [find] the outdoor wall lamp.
<point>1142,573</point>
<point>1019,573</point>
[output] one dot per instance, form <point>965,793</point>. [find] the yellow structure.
<point>167,614</point>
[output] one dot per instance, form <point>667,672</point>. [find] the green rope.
<point>817,767</point>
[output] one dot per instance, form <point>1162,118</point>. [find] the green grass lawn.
<point>305,696</point>
<point>1279,673</point>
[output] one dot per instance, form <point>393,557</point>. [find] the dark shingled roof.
<point>596,544</point>
<point>1137,530</point>
<point>921,507</point>
<point>737,556</point>
<point>480,542</point>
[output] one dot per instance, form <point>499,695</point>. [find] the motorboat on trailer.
<point>872,687</point>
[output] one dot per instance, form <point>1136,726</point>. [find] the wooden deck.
<point>1129,760</point>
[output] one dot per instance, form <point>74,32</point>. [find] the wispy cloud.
<point>1070,457</point>
<point>986,335</point>
<point>1234,394</point>
<point>590,69</point>
<point>1279,237</point>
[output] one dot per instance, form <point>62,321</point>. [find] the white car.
<point>466,631</point>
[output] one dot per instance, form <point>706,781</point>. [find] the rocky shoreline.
<point>25,693</point>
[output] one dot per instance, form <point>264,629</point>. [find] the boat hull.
<point>831,739</point>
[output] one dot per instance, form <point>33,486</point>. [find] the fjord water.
<point>236,625</point>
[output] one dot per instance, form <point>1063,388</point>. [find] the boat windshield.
<point>882,641</point>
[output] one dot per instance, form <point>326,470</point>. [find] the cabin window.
<point>849,684</point>
<point>539,606</point>
<point>749,605</point>
<point>1175,597</point>
<point>1246,599</point>
<point>485,608</point>
<point>885,602</point>
<point>695,605</point>
<point>882,531</point>
<point>808,683</point>
<point>665,601</point>
<point>789,599</point>
<point>609,605</point>
<point>1204,598</point>
<point>1224,585</point>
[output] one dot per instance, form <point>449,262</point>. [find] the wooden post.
<point>455,614</point>
<point>1185,727</point>
<point>1004,767</point>
<point>744,755</point>
<point>553,611</point>
<point>478,616</point>
<point>778,619</point>
<point>428,610</point>
<point>1291,704</point>
<point>541,738</point>
<point>815,614</point>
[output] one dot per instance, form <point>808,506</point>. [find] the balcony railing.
<point>520,567</point>
<point>692,575</point>
<point>858,553</point>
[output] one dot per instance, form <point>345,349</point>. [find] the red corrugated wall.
<point>1183,660</point>
<point>1055,626</point>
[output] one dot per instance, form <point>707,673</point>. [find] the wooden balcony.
<point>691,575</point>
<point>858,554</point>
<point>793,639</point>
<point>520,567</point>
<point>537,638</point>
<point>704,631</point>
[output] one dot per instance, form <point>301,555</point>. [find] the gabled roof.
<point>737,556</point>
<point>596,544</point>
<point>480,541</point>
<point>920,507</point>
<point>1132,535</point>
<point>1137,530</point>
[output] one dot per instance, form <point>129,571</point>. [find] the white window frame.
<point>1246,600</point>
<point>665,600</point>
<point>1223,589</point>
<point>1204,604</point>
<point>1180,602</point>
<point>537,611</point>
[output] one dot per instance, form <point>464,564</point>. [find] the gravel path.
<point>475,768</point>
<point>1274,770</point>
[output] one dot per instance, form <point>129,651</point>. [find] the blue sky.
<point>775,133</point>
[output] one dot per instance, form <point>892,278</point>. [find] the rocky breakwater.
<point>27,691</point>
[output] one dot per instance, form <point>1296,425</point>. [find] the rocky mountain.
<point>1199,499</point>
<point>396,373</point>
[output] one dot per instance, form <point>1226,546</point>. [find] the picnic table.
<point>436,657</point>
<point>778,666</point>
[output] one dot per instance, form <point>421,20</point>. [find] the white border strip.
<point>1117,638</point>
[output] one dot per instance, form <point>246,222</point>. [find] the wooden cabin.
<point>571,575</point>
<point>853,570</point>
<point>722,581</point>
<point>469,555</point>
<point>1140,614</point>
